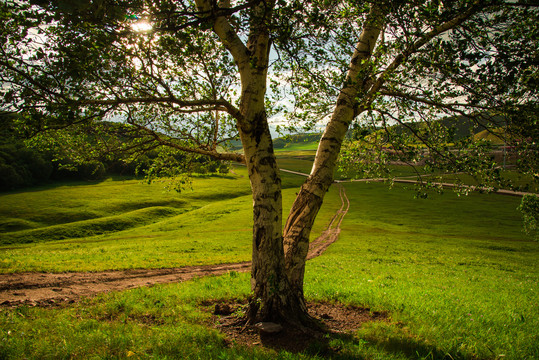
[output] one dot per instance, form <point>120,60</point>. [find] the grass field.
<point>456,274</point>
<point>129,224</point>
<point>302,146</point>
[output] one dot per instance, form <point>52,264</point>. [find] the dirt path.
<point>330,235</point>
<point>46,289</point>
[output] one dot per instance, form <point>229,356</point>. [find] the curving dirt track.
<point>46,289</point>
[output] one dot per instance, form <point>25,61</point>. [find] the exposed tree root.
<point>335,321</point>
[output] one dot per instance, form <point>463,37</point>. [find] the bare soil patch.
<point>339,321</point>
<point>46,289</point>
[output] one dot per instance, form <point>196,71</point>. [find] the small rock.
<point>222,309</point>
<point>268,327</point>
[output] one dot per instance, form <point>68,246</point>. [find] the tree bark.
<point>273,299</point>
<point>309,200</point>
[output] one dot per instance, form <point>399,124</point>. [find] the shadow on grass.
<point>411,348</point>
<point>340,346</point>
<point>217,196</point>
<point>346,346</point>
<point>339,340</point>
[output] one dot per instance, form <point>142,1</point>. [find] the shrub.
<point>529,207</point>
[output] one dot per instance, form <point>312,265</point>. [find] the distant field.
<point>299,164</point>
<point>457,275</point>
<point>306,146</point>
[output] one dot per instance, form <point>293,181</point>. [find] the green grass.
<point>166,229</point>
<point>164,322</point>
<point>298,164</point>
<point>302,146</point>
<point>456,274</point>
<point>130,225</point>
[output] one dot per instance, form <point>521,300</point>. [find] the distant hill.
<point>465,126</point>
<point>495,136</point>
<point>285,141</point>
<point>461,127</point>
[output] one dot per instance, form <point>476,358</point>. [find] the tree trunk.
<point>273,298</point>
<point>309,200</point>
<point>278,263</point>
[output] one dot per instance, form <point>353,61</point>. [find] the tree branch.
<point>227,34</point>
<point>198,105</point>
<point>205,16</point>
<point>449,106</point>
<point>212,153</point>
<point>31,80</point>
<point>414,47</point>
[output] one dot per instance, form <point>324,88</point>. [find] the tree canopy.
<point>193,74</point>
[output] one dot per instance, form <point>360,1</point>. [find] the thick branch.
<point>312,192</point>
<point>204,16</point>
<point>195,105</point>
<point>212,153</point>
<point>227,34</point>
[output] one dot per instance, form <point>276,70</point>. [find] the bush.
<point>92,170</point>
<point>9,177</point>
<point>529,207</point>
<point>20,166</point>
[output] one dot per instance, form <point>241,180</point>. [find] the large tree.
<point>191,74</point>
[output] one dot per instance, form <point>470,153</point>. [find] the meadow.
<point>126,224</point>
<point>456,275</point>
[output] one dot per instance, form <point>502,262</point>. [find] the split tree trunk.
<point>273,297</point>
<point>278,263</point>
<point>309,200</point>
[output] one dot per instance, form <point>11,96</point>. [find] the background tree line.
<point>82,154</point>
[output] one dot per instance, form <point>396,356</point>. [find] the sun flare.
<point>141,26</point>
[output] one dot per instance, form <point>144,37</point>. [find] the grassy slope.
<point>456,274</point>
<point>136,225</point>
<point>125,240</point>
